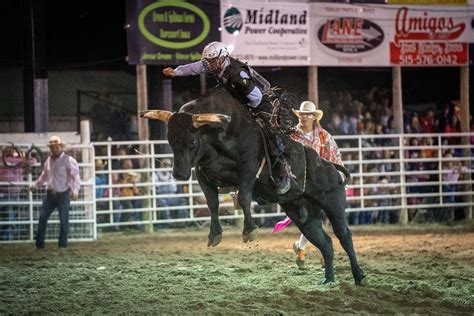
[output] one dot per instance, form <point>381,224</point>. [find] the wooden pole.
<point>87,174</point>
<point>142,101</point>
<point>143,134</point>
<point>398,118</point>
<point>313,92</point>
<point>465,128</point>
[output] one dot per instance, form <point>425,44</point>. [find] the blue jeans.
<point>135,216</point>
<point>51,201</point>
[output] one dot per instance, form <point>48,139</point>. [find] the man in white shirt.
<point>61,177</point>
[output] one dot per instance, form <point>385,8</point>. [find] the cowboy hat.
<point>309,107</point>
<point>99,163</point>
<point>55,140</point>
<point>166,162</point>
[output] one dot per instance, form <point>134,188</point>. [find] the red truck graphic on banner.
<point>427,38</point>
<point>350,35</point>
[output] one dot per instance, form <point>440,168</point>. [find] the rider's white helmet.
<point>213,57</point>
<point>215,49</point>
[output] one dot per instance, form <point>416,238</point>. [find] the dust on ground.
<point>410,270</point>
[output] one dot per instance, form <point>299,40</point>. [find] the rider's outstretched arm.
<point>191,69</point>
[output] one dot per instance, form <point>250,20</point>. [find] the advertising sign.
<point>349,35</point>
<point>423,36</point>
<point>170,32</point>
<point>266,34</point>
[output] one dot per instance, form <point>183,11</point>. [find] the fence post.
<point>465,129</point>
<point>404,210</point>
<point>88,174</point>
<point>143,135</point>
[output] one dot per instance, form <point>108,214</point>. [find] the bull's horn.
<point>157,115</point>
<point>207,118</point>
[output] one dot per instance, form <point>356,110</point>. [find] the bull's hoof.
<point>362,281</point>
<point>249,236</point>
<point>327,280</point>
<point>213,241</point>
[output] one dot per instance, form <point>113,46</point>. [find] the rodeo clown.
<point>244,83</point>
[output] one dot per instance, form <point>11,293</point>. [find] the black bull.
<point>226,149</point>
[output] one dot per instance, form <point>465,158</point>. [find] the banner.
<point>429,36</point>
<point>170,32</point>
<point>266,34</point>
<point>349,35</point>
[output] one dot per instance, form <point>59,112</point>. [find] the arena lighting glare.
<point>235,33</point>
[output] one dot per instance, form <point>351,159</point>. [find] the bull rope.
<point>260,168</point>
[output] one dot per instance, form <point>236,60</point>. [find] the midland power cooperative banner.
<point>300,34</point>
<point>170,32</point>
<point>266,34</point>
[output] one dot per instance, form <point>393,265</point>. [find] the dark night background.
<point>90,35</point>
<point>79,33</point>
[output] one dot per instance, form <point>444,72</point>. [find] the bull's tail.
<point>344,170</point>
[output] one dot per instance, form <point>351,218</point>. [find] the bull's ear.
<point>213,119</point>
<point>157,115</point>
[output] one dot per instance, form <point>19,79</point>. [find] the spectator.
<point>368,217</point>
<point>414,127</point>
<point>167,187</point>
<point>353,191</point>
<point>129,181</point>
<point>444,118</point>
<point>61,177</point>
<point>384,215</point>
<point>101,179</point>
<point>116,192</point>
<point>451,173</point>
<point>428,122</point>
<point>386,111</point>
<point>12,171</point>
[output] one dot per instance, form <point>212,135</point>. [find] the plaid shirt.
<point>321,141</point>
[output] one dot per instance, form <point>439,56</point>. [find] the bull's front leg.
<point>212,196</point>
<point>245,199</point>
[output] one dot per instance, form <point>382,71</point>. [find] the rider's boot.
<point>283,181</point>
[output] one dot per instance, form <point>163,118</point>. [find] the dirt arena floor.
<point>412,270</point>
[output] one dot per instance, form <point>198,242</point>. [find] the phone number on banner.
<point>428,54</point>
<point>251,57</point>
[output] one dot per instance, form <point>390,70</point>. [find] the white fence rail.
<point>395,179</point>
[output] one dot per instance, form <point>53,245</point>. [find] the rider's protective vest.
<point>232,80</point>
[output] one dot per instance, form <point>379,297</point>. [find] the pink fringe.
<point>281,225</point>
